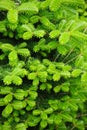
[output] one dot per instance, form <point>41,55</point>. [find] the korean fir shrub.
<point>43,64</point>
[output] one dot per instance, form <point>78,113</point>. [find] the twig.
<point>72,127</point>
<point>68,55</point>
<point>85,30</point>
<point>56,57</point>
<point>81,115</point>
<point>71,59</point>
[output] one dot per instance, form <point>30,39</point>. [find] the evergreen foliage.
<point>43,64</point>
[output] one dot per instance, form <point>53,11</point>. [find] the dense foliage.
<point>43,64</point>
